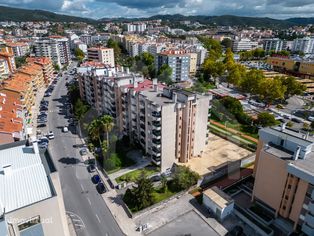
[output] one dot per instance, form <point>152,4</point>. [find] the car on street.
<point>43,139</point>
<point>41,125</point>
<point>311,118</point>
<point>50,135</point>
<point>83,151</point>
<point>296,120</point>
<point>65,129</point>
<point>101,188</point>
<point>96,179</point>
<point>43,145</point>
<point>43,108</point>
<point>91,168</point>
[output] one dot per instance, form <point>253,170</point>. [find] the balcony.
<point>156,160</point>
<point>156,151</point>
<point>309,219</point>
<point>142,119</point>
<point>142,126</point>
<point>307,229</point>
<point>157,134</point>
<point>311,207</point>
<point>156,142</point>
<point>143,134</point>
<point>156,114</point>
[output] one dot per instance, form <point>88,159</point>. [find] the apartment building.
<point>101,54</point>
<point>136,28</point>
<point>284,176</point>
<point>305,45</point>
<point>178,61</point>
<point>274,44</point>
<point>193,63</point>
<point>31,201</point>
<point>7,55</point>
<point>19,49</point>
<point>56,48</point>
<point>169,124</point>
<point>244,45</point>
<point>4,69</point>
<point>46,65</point>
<point>11,117</point>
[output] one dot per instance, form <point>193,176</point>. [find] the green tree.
<point>213,69</point>
<point>164,183</point>
<point>271,90</point>
<point>227,43</point>
<point>266,119</point>
<point>250,83</point>
<point>143,193</point>
<point>306,127</point>
<point>164,74</point>
<point>184,178</point>
<point>79,54</point>
<point>94,130</point>
<point>56,67</point>
<point>20,61</point>
<point>293,86</point>
<point>80,108</point>
<point>107,125</point>
<point>147,58</point>
<point>116,48</point>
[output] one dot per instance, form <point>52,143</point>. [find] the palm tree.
<point>94,130</point>
<point>107,125</point>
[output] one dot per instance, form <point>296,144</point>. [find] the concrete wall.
<point>168,136</point>
<point>298,200</point>
<point>270,179</point>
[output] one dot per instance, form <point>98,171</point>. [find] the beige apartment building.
<point>101,54</point>
<point>31,201</point>
<point>284,176</point>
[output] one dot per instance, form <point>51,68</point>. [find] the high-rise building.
<point>101,54</point>
<point>305,45</point>
<point>284,175</point>
<point>19,49</point>
<point>178,61</point>
<point>31,201</point>
<point>7,55</point>
<point>55,47</point>
<point>274,44</point>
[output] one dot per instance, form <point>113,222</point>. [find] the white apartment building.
<point>19,49</point>
<point>4,68</point>
<point>244,45</point>
<point>305,45</point>
<point>136,28</point>
<point>56,48</point>
<point>31,201</point>
<point>101,54</point>
<point>178,61</point>
<point>274,44</point>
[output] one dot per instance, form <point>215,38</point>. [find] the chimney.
<point>297,153</point>
<point>174,97</point>
<point>35,147</point>
<point>7,169</point>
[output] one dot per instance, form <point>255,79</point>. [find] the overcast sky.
<point>280,9</point>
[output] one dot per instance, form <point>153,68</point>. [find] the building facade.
<point>244,45</point>
<point>101,54</point>
<point>284,176</point>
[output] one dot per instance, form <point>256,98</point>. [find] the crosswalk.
<point>77,221</point>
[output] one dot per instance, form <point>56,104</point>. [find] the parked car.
<point>41,125</point>
<point>297,120</point>
<point>42,145</point>
<point>96,179</point>
<point>65,129</point>
<point>50,135</point>
<point>83,151</point>
<point>101,188</point>
<point>91,168</point>
<point>43,108</point>
<point>44,139</point>
<point>311,118</point>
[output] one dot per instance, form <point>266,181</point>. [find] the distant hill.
<point>301,21</point>
<point>224,20</point>
<point>17,14</point>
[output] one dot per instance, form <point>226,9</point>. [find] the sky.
<point>279,9</point>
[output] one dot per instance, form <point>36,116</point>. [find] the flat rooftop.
<point>303,168</point>
<point>217,152</point>
<point>26,181</point>
<point>156,97</point>
<point>218,197</point>
<point>189,223</point>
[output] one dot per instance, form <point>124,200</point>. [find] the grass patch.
<point>159,195</point>
<point>133,176</point>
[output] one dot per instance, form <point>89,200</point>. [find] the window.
<point>29,223</point>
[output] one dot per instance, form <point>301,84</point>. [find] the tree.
<point>80,109</point>
<point>56,67</point>
<point>306,127</point>
<point>163,183</point>
<point>227,43</point>
<point>266,119</point>
<point>213,69</point>
<point>116,48</point>
<point>184,178</point>
<point>250,83</point>
<point>271,90</point>
<point>143,192</point>
<point>94,131</point>
<point>107,124</point>
<point>147,58</point>
<point>79,54</point>
<point>293,86</point>
<point>20,61</point>
<point>165,73</point>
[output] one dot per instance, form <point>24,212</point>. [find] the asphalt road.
<point>89,213</point>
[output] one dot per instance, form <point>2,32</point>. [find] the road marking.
<point>97,218</point>
<point>89,201</point>
<point>76,220</point>
<point>82,187</point>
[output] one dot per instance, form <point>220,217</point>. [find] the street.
<point>90,215</point>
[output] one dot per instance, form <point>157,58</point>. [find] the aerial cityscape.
<point>156,118</point>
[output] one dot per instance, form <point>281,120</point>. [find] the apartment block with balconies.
<point>284,175</point>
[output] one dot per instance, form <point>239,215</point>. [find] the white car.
<point>311,118</point>
<point>50,135</point>
<point>65,129</point>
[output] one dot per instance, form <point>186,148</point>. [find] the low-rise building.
<point>101,54</point>
<point>244,45</point>
<point>284,175</point>
<point>31,201</point>
<point>6,54</point>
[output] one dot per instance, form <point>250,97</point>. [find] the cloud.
<point>142,8</point>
